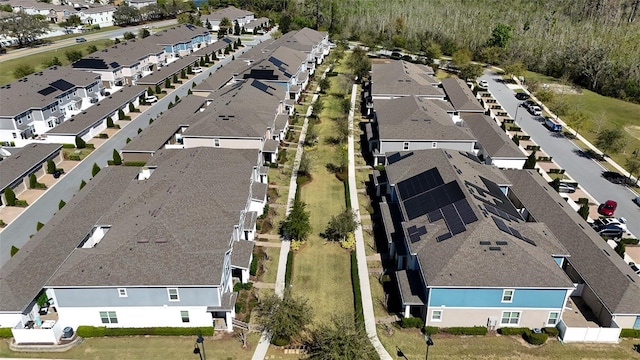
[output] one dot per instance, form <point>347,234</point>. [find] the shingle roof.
<point>37,90</point>
<point>20,163</point>
<point>27,272</point>
<point>109,105</point>
<point>493,139</point>
<point>460,95</point>
<point>602,269</point>
<point>241,254</point>
<point>282,64</point>
<point>462,260</point>
<point>412,118</point>
<point>153,241</point>
<point>403,78</point>
<point>230,12</point>
<point>256,22</point>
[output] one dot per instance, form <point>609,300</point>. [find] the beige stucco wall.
<point>224,143</point>
<point>531,318</point>
<point>135,157</point>
<point>625,322</point>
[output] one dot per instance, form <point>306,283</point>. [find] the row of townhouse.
<point>163,244</point>
<point>89,14</point>
<point>476,240</point>
<point>236,16</point>
<point>38,103</point>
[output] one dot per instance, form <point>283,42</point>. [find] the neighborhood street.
<point>17,233</point>
<point>564,152</point>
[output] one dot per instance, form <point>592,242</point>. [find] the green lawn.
<point>75,35</point>
<point>271,265</point>
<point>142,347</point>
<point>37,60</point>
<point>412,344</point>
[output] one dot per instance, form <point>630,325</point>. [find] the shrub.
<point>10,196</point>
<point>473,330</point>
<point>289,269</point>
<point>411,322</point>
<point>158,89</point>
<point>93,331</point>
<point>630,333</point>
<point>431,330</point>
<point>139,130</point>
<point>128,140</point>
<point>51,166</point>
<point>535,338</point>
<point>61,204</point>
<point>33,182</point>
<point>253,268</point>
<point>83,184</point>
<point>75,157</point>
<point>513,330</point>
<point>121,114</point>
<point>23,70</point>
<point>14,250</point>
<point>80,144</point>
<point>281,341</point>
<point>551,331</point>
<point>68,146</point>
<point>91,146</point>
<point>132,108</point>
<point>95,170</point>
<point>629,241</point>
<point>103,136</point>
<point>117,160</point>
<point>21,203</point>
<point>110,122</point>
<point>150,91</point>
<point>357,295</point>
<point>5,333</point>
<point>134,163</point>
<point>39,226</point>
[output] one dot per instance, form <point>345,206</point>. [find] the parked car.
<point>197,69</point>
<point>522,96</point>
<point>611,232</point>
<point>635,269</point>
<point>535,110</point>
<point>603,223</point>
<point>614,177</point>
<point>483,84</point>
<point>566,188</point>
<point>552,124</point>
<point>608,208</point>
<point>151,99</point>
<point>637,200</point>
<point>528,103</point>
<point>80,40</point>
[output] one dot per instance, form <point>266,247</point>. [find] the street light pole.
<point>516,119</point>
<point>429,342</point>
<point>200,340</point>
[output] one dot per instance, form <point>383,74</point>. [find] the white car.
<point>483,84</point>
<point>197,70</point>
<point>151,99</point>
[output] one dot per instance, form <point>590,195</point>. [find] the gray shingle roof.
<point>256,22</point>
<point>230,12</point>
<point>462,260</point>
<point>460,95</point>
<point>601,268</point>
<point>24,161</point>
<point>241,254</point>
<point>153,240</point>
<point>35,91</point>
<point>413,118</point>
<point>403,78</point>
<point>26,273</point>
<point>493,139</point>
<point>281,65</point>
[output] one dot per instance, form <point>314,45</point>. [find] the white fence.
<point>589,334</point>
<point>37,336</point>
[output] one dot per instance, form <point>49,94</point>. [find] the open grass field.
<point>37,60</point>
<point>142,347</point>
<point>603,112</point>
<point>412,344</point>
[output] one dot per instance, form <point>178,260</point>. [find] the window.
<point>19,121</point>
<point>507,295</point>
<point>434,145</point>
<point>216,142</point>
<point>122,292</point>
<point>50,123</point>
<point>405,146</point>
<point>436,315</point>
<point>510,318</point>
<point>553,318</point>
<point>173,294</point>
<point>108,317</point>
<point>185,316</point>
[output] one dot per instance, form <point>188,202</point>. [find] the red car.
<point>608,208</point>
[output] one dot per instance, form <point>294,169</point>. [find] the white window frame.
<point>122,292</point>
<point>19,121</point>
<point>216,142</point>
<point>406,145</point>
<point>434,145</point>
<point>184,314</point>
<point>177,294</point>
<point>508,298</point>
<point>555,320</point>
<point>510,318</point>
<point>109,316</point>
<point>434,317</point>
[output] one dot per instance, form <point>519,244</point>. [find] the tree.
<point>80,144</point>
<point>117,160</point>
<point>82,184</point>
<point>10,196</point>
<point>150,91</point>
<point>132,108</point>
<point>284,318</point>
<point>516,68</point>
<point>158,89</point>
<point>577,119</point>
<point>95,170</point>
<point>555,184</point>
<point>73,55</point>
<point>152,12</point>
<point>14,250</point>
<point>500,35</point>
<point>584,211</point>
<point>461,57</point>
<point>225,24</point>
<point>128,35</point>
<point>23,27</point>
<point>236,29</point>
<point>167,83</point>
<point>39,226</point>
<point>23,70</point>
<point>633,166</point>
<point>359,63</point>
<point>620,249</point>
<point>91,49</point>
<point>121,115</point>
<point>304,168</point>
<point>126,15</point>
<point>143,33</point>
<point>433,51</point>
<point>471,71</point>
<point>341,225</point>
<point>610,141</point>
<point>54,61</point>
<point>61,204</point>
<point>183,74</point>
<point>324,84</point>
<point>208,24</point>
<point>175,78</point>
<point>73,20</point>
<point>530,163</point>
<point>33,182</point>
<point>340,338</point>
<point>296,225</point>
<point>51,166</point>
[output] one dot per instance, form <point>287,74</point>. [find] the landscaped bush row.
<point>289,269</point>
<point>253,268</point>
<point>535,338</point>
<point>629,241</point>
<point>357,295</point>
<point>473,330</point>
<point>93,331</point>
<point>530,336</point>
<point>551,331</point>
<point>5,333</point>
<point>513,330</point>
<point>68,146</point>
<point>412,322</point>
<point>630,333</point>
<point>134,163</point>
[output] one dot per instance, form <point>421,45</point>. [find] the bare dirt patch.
<point>633,130</point>
<point>564,89</point>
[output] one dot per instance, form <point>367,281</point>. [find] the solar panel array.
<point>62,85</point>
<point>511,231</point>
<point>48,90</point>
<point>416,232</point>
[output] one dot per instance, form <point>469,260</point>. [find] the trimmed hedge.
<point>513,330</point>
<point>134,163</point>
<point>472,330</point>
<point>411,322</point>
<point>535,338</point>
<point>93,331</point>
<point>551,331</point>
<point>5,333</point>
<point>357,295</point>
<point>68,146</point>
<point>630,333</point>
<point>431,330</point>
<point>253,268</point>
<point>289,269</point>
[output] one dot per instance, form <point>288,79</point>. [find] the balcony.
<point>44,329</point>
<point>579,324</point>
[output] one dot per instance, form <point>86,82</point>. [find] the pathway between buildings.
<point>363,272</point>
<point>263,344</point>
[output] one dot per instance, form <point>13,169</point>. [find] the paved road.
<point>584,170</point>
<point>89,36</point>
<point>17,233</point>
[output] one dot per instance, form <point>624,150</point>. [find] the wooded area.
<point>593,43</point>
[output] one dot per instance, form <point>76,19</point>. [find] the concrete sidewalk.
<point>363,272</point>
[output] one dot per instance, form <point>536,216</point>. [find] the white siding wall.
<point>143,316</point>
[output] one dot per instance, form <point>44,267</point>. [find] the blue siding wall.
<point>168,49</point>
<point>136,297</point>
<point>522,298</point>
